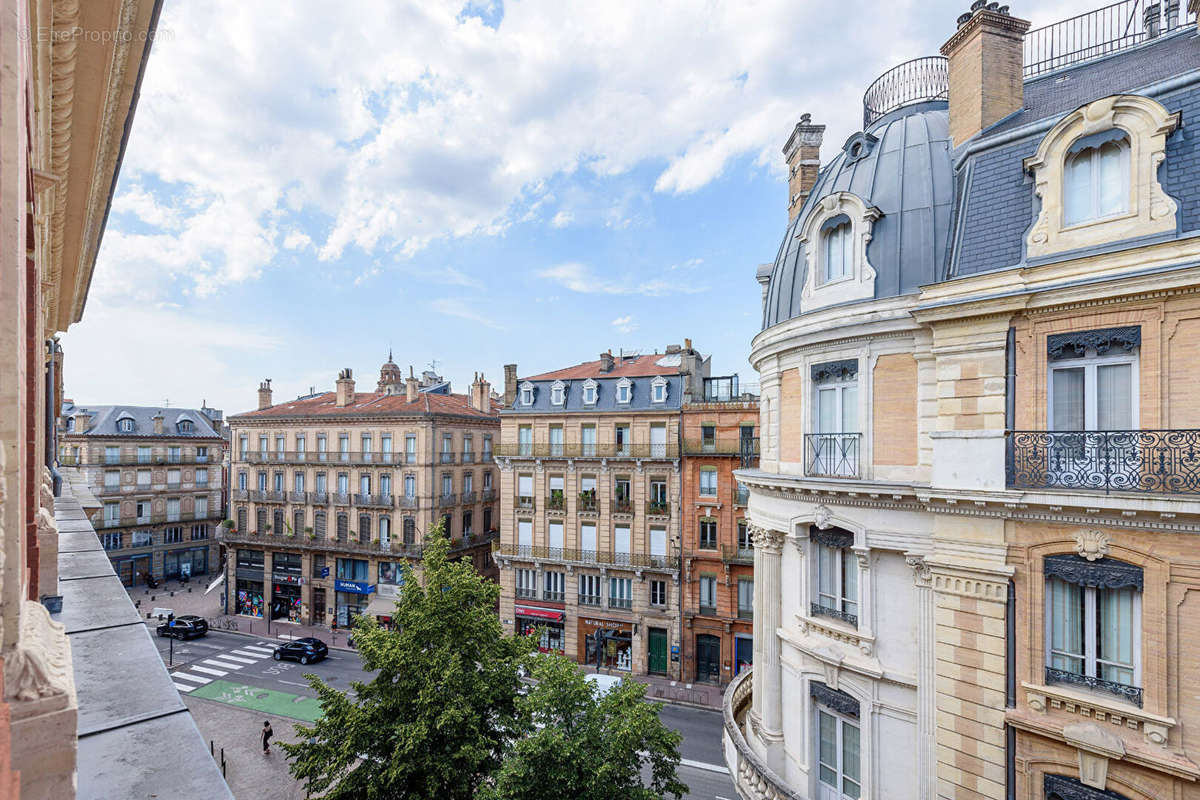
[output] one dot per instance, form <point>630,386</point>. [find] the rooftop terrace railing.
<point>917,81</point>
<point>1101,32</point>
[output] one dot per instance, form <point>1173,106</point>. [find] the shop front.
<point>383,604</point>
<point>132,571</point>
<point>351,599</point>
<point>532,619</point>
<point>286,579</point>
<point>606,643</point>
<point>185,562</point>
<point>248,588</point>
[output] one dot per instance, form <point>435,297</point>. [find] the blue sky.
<point>479,184</point>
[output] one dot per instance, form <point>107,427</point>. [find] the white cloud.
<point>562,219</point>
<point>458,307</point>
<point>625,324</point>
<point>578,278</point>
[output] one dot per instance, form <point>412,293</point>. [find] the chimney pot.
<point>606,361</point>
<point>985,69</point>
<point>345,388</point>
<point>510,385</point>
<point>264,394</point>
<point>802,152</point>
<point>410,386</point>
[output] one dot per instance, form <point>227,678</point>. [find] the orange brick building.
<point>718,432</point>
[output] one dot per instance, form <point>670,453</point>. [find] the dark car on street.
<point>188,626</point>
<point>306,650</point>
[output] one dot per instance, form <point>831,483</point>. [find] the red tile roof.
<point>325,405</point>
<point>639,367</point>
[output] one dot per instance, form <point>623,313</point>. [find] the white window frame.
<point>558,393</point>
<point>659,393</point>
<point>1090,363</point>
<point>527,393</point>
<point>843,557</point>
<point>840,722</point>
<point>844,230</point>
<point>624,391</point>
<point>1092,153</point>
<point>1091,644</point>
<point>591,392</point>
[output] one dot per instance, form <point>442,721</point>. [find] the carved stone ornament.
<point>845,370</point>
<point>1092,544</point>
<point>822,517</point>
<point>1075,345</point>
<point>39,667</point>
<point>1103,573</point>
<point>1066,788</point>
<point>766,540</point>
<point>1095,746</point>
<point>923,573</point>
<point>834,537</point>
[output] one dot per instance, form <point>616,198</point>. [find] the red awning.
<point>539,613</point>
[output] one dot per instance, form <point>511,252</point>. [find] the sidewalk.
<point>699,695</point>
<point>189,598</point>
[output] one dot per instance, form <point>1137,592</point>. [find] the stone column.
<point>768,670</point>
<point>926,679</point>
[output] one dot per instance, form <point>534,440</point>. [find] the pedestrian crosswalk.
<point>219,665</point>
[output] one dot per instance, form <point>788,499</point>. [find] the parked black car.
<point>306,650</point>
<point>188,626</point>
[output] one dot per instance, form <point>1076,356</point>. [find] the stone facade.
<point>719,436</point>
<point>338,489</point>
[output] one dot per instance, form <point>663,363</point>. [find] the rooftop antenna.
<point>433,365</point>
<point>166,402</point>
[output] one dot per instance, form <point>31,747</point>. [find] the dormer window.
<point>837,259</point>
<point>527,394</point>
<point>590,392</point>
<point>70,424</point>
<point>624,390</point>
<point>558,393</point>
<point>1096,178</point>
<point>185,426</point>
<point>125,425</point>
<point>659,390</point>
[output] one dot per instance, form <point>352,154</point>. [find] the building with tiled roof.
<point>332,491</point>
<point>157,470</point>
<point>589,546</point>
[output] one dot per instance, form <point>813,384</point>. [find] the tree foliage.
<point>587,748</point>
<point>445,718</point>
<point>436,719</point>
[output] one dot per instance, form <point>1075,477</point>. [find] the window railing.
<point>745,613</point>
<point>587,502</point>
<point>297,497</point>
<point>821,610</point>
<point>446,458</point>
<point>589,600</point>
<point>468,457</point>
<point>526,594</point>
<point>525,502</point>
<point>1131,693</point>
<point>658,508</point>
<point>364,457</point>
<point>488,495</point>
<point>831,455</point>
<point>131,459</point>
<point>707,610</point>
<point>448,499</point>
<point>578,450</point>
<point>925,78</point>
<point>468,498</point>
<point>319,498</point>
<point>373,500</point>
<point>319,541</point>
<point>410,501</point>
<point>1150,461</point>
<point>620,602</point>
<point>622,505</point>
<point>749,452</point>
<point>742,498</point>
<point>341,498</point>
<point>556,502</point>
<point>737,555</point>
<point>572,555</point>
<point>485,457</point>
<point>552,597</point>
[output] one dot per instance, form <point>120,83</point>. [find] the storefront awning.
<point>381,607</point>
<point>539,613</point>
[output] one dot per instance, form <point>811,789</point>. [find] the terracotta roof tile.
<point>325,405</point>
<point>639,367</point>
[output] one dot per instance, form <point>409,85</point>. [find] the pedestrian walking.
<point>267,733</point>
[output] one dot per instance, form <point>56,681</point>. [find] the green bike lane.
<point>268,701</point>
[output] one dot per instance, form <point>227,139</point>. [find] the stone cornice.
<point>1016,505</point>
<point>332,421</point>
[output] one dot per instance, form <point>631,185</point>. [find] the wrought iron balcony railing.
<point>525,503</point>
<point>373,500</point>
<point>297,497</point>
<point>622,506</point>
<point>488,495</point>
<point>819,610</point>
<point>318,541</point>
<point>552,597</point>
<point>589,599</point>
<point>737,555</point>
<point>658,508</point>
<point>567,554</point>
<point>446,458</point>
<point>1148,461</point>
<point>831,455</point>
<point>447,500</point>
<point>318,457</point>
<point>133,460</point>
<point>410,501</point>
<point>1131,693</point>
<point>631,450</point>
<point>468,457</point>
<point>468,498</point>
<point>915,81</point>
<point>556,502</point>
<point>587,503</point>
<point>742,496</point>
<point>620,602</point>
<point>749,452</point>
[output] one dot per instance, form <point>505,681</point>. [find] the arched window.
<point>277,524</point>
<point>125,425</point>
<point>364,528</point>
<point>410,530</point>
<point>837,258</point>
<point>1096,178</point>
<point>319,524</point>
<point>241,519</point>
<point>343,526</point>
<point>260,520</point>
<point>185,426</point>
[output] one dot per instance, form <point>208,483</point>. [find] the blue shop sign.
<point>354,587</point>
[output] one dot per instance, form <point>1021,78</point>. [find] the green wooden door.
<point>658,650</point>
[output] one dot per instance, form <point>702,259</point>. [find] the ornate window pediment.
<point>527,391</point>
<point>1124,134</point>
<point>836,699</point>
<point>624,390</point>
<point>591,391</point>
<point>558,393</point>
<point>658,393</point>
<point>835,236</point>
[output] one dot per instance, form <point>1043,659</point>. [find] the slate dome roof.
<point>901,165</point>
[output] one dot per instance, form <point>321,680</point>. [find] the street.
<point>237,671</point>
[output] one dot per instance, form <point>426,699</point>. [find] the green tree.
<point>587,748</point>
<point>442,709</point>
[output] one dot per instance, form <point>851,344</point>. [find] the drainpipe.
<point>1010,399</point>
<point>1010,689</point>
<point>52,350</point>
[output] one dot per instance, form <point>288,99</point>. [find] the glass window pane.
<point>849,409</point>
<point>1066,625</point>
<point>827,736</point>
<point>1114,179</point>
<point>850,581</point>
<point>1067,386</point>
<point>850,752</point>
<point>1114,634</point>
<point>1114,397</point>
<point>1077,191</point>
<point>826,570</point>
<point>827,421</point>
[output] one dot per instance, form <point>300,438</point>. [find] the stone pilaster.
<point>768,671</point>
<point>926,678</point>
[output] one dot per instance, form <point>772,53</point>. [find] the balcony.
<point>556,503</point>
<point>297,497</point>
<point>831,455</point>
<point>573,556</point>
<point>630,450</point>
<point>410,502</point>
<point>622,505</point>
<point>317,541</point>
<point>589,600</point>
<point>241,494</point>
<point>488,495</point>
<point>373,500</point>
<point>445,458</point>
<point>155,519</point>
<point>340,498</point>
<point>486,457</point>
<point>447,500</point>
<point>526,594</point>
<point>737,555</point>
<point>319,498</point>
<point>362,457</point>
<point>658,508</point>
<point>821,610</point>
<point>1132,694</point>
<point>552,597</point>
<point>525,503</point>
<point>1144,461</point>
<point>468,457</point>
<point>132,460</point>
<point>468,498</point>
<point>621,603</point>
<point>749,771</point>
<point>587,503</point>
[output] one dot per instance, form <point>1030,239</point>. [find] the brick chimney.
<point>803,154</point>
<point>158,423</point>
<point>510,385</point>
<point>985,69</point>
<point>345,388</point>
<point>606,361</point>
<point>410,386</point>
<point>83,421</point>
<point>481,394</point>
<point>264,394</point>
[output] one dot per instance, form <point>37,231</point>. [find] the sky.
<point>467,185</point>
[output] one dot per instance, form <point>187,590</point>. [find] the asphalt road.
<point>244,662</point>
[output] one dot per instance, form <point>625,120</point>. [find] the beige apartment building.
<point>975,514</point>
<point>158,475</point>
<point>590,521</point>
<point>333,491</point>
